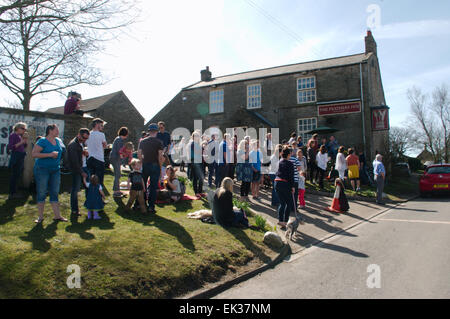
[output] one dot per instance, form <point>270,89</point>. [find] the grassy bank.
<point>124,255</point>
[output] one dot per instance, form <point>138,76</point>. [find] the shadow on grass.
<point>38,236</point>
<point>166,225</point>
<point>8,209</point>
<point>80,228</point>
<point>241,236</point>
<point>305,241</point>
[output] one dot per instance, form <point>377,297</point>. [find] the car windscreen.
<point>439,170</point>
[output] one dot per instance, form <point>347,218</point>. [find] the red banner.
<point>380,119</point>
<point>340,108</point>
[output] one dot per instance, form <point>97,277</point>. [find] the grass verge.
<point>124,255</point>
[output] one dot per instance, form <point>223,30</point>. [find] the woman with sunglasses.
<point>17,143</point>
<point>48,152</point>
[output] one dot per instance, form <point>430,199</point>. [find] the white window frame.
<point>306,89</point>
<point>253,97</point>
<point>216,101</point>
<point>301,131</point>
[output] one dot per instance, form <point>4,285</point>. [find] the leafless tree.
<point>425,131</point>
<point>49,45</point>
<point>399,142</point>
<point>441,107</point>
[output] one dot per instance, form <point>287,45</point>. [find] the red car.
<point>436,178</point>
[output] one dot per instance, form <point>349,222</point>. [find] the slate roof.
<point>283,70</point>
<point>89,104</point>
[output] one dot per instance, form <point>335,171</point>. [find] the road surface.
<point>403,253</point>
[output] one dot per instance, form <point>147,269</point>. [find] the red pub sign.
<point>380,118</point>
<point>340,108</point>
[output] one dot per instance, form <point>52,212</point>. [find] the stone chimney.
<point>371,45</point>
<point>205,74</point>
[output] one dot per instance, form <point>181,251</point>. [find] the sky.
<point>174,40</point>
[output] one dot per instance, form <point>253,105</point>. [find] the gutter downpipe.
<point>362,107</point>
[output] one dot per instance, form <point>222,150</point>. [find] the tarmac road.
<point>402,253</point>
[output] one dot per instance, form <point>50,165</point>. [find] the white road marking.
<point>415,221</point>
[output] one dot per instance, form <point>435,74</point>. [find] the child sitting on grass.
<point>173,185</point>
<point>172,189</point>
<point>94,197</point>
<point>136,180</point>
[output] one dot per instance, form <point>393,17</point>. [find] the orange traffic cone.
<point>335,206</point>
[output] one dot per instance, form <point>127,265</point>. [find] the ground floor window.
<point>305,125</point>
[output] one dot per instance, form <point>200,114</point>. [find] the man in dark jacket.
<point>75,158</point>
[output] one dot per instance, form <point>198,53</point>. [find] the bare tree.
<point>441,106</point>
<point>49,45</point>
<point>7,5</point>
<point>424,127</point>
<point>399,142</point>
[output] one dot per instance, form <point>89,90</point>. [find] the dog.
<point>292,226</point>
<point>203,213</point>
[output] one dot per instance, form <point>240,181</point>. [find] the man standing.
<point>150,153</point>
<point>212,164</point>
<point>96,145</point>
<point>75,153</point>
<point>332,147</point>
<point>163,136</point>
<point>379,173</point>
<point>223,159</point>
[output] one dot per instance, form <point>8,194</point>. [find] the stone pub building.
<point>343,93</point>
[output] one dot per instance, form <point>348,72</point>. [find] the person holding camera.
<point>72,104</point>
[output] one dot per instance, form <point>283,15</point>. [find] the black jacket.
<point>223,212</point>
<point>74,156</point>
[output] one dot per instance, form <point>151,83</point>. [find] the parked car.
<point>435,179</point>
<point>401,170</point>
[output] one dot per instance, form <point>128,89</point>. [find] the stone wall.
<point>279,104</point>
<point>8,117</point>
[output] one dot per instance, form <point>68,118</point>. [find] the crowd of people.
<point>284,167</point>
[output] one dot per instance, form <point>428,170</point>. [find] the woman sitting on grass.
<point>173,185</point>
<point>224,213</point>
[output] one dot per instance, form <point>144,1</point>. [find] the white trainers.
<point>96,217</point>
<point>89,215</point>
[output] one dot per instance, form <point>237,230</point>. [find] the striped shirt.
<point>296,163</point>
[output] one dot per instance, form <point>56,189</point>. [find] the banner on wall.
<point>380,118</point>
<point>339,108</point>
<point>7,122</point>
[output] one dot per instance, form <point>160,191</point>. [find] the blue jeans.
<point>76,184</point>
<point>275,199</point>
<point>286,201</point>
<point>152,171</point>
<point>47,180</point>
<point>240,219</point>
<point>116,163</point>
